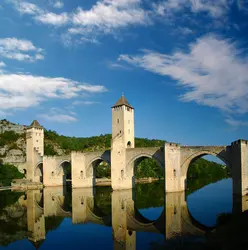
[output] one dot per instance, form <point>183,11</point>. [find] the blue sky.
<point>182,64</point>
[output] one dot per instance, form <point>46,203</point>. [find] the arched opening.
<point>100,171</point>
<point>38,173</point>
<point>25,172</point>
<point>147,169</point>
<point>129,144</point>
<point>65,171</point>
<point>209,189</point>
<point>148,183</point>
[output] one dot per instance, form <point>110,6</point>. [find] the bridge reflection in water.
<point>124,217</point>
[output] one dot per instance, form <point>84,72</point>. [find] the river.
<point>143,218</point>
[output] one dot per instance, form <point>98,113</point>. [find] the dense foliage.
<point>145,196</point>
<point>8,173</point>
<point>88,143</point>
<point>103,170</point>
<point>9,137</point>
<point>148,168</point>
<point>201,172</point>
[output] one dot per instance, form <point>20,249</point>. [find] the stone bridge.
<point>123,157</point>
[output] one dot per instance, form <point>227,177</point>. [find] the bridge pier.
<point>174,178</point>
<point>80,200</point>
<point>122,205</point>
<point>35,217</point>
<point>174,203</point>
<point>239,166</point>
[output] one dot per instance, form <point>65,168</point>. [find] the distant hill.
<point>13,143</point>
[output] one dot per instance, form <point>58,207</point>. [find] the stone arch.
<point>200,153</point>
<point>60,170</point>
<point>61,206</point>
<point>38,172</point>
<point>133,162</point>
<point>137,222</point>
<point>90,169</point>
<point>191,225</point>
<point>95,214</point>
<point>129,144</point>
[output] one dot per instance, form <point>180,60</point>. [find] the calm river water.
<point>144,218</point>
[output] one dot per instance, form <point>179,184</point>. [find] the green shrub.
<point>8,173</point>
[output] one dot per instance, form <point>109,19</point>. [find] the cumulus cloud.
<point>27,8</point>
<point>213,72</point>
<point>19,49</point>
<point>106,16</point>
<point>41,15</point>
<point>52,18</point>
<point>25,91</point>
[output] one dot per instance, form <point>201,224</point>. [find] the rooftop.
<point>35,124</point>
<point>122,101</point>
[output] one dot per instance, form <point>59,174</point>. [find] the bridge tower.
<point>34,147</point>
<point>122,139</point>
<point>35,218</point>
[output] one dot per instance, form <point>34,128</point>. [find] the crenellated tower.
<point>122,139</point>
<point>34,147</point>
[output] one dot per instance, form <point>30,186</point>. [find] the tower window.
<point>129,144</point>
<point>118,120</point>
<point>129,131</point>
<point>37,141</point>
<point>128,121</point>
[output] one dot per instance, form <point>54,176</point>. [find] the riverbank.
<point>23,184</point>
<point>107,182</point>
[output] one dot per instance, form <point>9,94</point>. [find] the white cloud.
<point>26,91</point>
<point>213,72</point>
<point>58,115</point>
<point>2,64</point>
<point>19,49</point>
<point>53,19</point>
<point>105,16</point>
<point>63,118</point>
<point>84,103</point>
<point>27,8</point>
<point>114,65</point>
<point>108,15</point>
<point>184,30</point>
<point>42,15</point>
<point>58,5</point>
<point>236,123</point>
<point>213,8</point>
